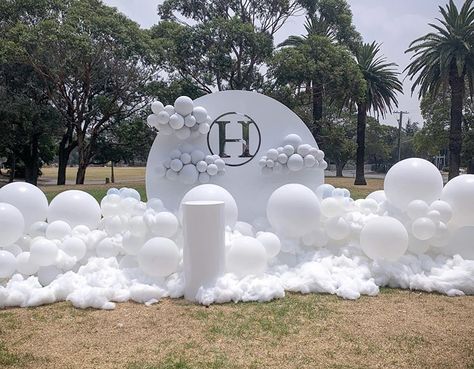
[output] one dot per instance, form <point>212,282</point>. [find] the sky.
<point>394,23</point>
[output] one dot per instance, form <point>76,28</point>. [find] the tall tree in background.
<point>227,43</point>
<point>380,95</point>
<point>446,58</point>
<point>95,64</point>
<point>324,59</point>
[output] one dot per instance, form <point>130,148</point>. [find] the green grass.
<point>9,359</point>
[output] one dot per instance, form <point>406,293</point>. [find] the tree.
<point>382,84</point>
<point>330,35</point>
<point>446,58</point>
<point>94,63</point>
<point>227,44</point>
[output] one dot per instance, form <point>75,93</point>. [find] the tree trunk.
<point>65,148</point>
<point>81,172</point>
<point>470,166</point>
<point>360,156</point>
<point>455,129</point>
<point>339,169</point>
<point>12,168</point>
<point>317,110</point>
<point>84,157</point>
<point>31,160</point>
<point>112,172</point>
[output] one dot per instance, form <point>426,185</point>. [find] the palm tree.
<point>380,94</point>
<point>446,58</point>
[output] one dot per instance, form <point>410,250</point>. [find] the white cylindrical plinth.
<point>204,244</point>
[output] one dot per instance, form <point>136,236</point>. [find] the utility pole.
<point>400,120</point>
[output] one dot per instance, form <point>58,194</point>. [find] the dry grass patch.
<point>122,174</point>
<point>397,329</point>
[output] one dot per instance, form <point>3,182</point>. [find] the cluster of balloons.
<point>293,156</point>
<point>183,119</point>
<point>189,166</point>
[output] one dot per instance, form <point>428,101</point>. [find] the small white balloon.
<point>164,224</point>
<point>157,107</point>
<point>176,165</point>
<point>293,140</point>
<point>153,121</point>
<point>309,161</point>
<point>378,196</point>
<point>288,150</point>
<point>220,164</point>
<point>159,257</point>
<point>43,252</point>
<point>7,264</point>
<point>204,128</point>
<point>444,209</point>
<point>200,114</point>
<point>169,109</point>
<point>184,105</point>
<point>24,265</point>
<point>324,191</point>
<point>162,118</point>
<point>303,149</point>
<point>417,209</point>
<point>332,207</point>
<point>57,230</point>
<point>423,228</point>
<point>212,169</point>
<point>271,242</point>
<point>197,156</point>
<point>201,166</point>
<point>189,121</point>
<point>74,246</point>
<point>108,248</point>
<point>295,162</point>
<point>272,154</point>
<point>176,121</point>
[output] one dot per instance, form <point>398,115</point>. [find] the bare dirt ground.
<point>397,329</point>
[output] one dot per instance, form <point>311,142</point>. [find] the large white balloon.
<point>462,242</point>
<point>246,256</point>
<point>7,264</point>
<point>75,208</point>
<point>183,105</point>
<point>12,224</point>
<point>412,179</point>
<point>293,210</point>
<point>459,193</point>
<point>159,257</point>
<point>29,199</point>
<point>211,192</point>
<point>384,238</point>
<point>43,252</point>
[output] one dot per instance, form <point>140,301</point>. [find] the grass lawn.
<point>397,329</point>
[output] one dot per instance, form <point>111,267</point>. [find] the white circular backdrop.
<point>250,188</point>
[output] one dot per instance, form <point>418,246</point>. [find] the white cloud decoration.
<point>292,156</point>
<point>184,120</point>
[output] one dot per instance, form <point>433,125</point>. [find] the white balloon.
<point>462,242</point>
<point>204,128</point>
<point>295,162</point>
<point>132,243</point>
<point>162,118</point>
<point>271,242</point>
<point>293,140</point>
<point>443,208</point>
<point>322,165</point>
<point>57,230</point>
<point>189,174</point>
<point>212,169</point>
<point>7,264</point>
<point>171,175</point>
<point>108,248</point>
<point>337,228</point>
<point>197,156</point>
<point>293,210</point>
<point>47,274</point>
<point>12,224</point>
<point>170,109</point>
<point>164,224</point>
<point>204,178</point>
<point>24,265</point>
<point>157,106</point>
<point>459,193</point>
<point>176,165</point>
<point>189,121</point>
<point>247,256</point>
<point>211,192</point>
<point>378,196</point>
<point>272,154</point>
<point>153,121</point>
<point>220,164</point>
<point>183,105</point>
<point>110,205</point>
<point>13,248</point>
<point>309,161</point>
<point>413,179</point>
<point>441,237</point>
<point>38,229</point>
<point>244,228</point>
<point>200,114</point>
<point>434,215</point>
<point>417,209</point>
<point>159,257</point>
<point>74,246</point>
<point>28,199</point>
<point>324,191</point>
<point>332,207</point>
<point>175,154</point>
<point>423,228</point>
<point>43,252</point>
<point>417,246</point>
<point>319,155</point>
<point>185,158</point>
<point>303,149</point>
<point>75,208</point>
<point>384,238</point>
<point>176,121</point>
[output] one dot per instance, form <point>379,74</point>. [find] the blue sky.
<point>394,23</point>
